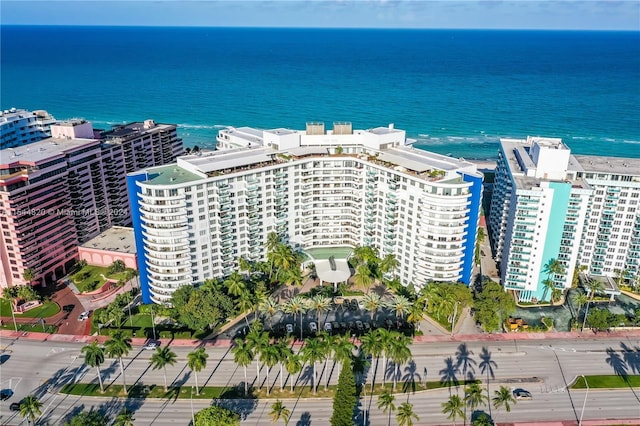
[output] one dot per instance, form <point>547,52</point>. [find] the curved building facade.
<point>195,218</point>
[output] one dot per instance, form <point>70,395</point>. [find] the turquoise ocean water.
<point>454,91</point>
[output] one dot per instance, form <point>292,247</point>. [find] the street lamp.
<point>584,404</point>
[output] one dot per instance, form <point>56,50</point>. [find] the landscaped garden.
<point>88,278</point>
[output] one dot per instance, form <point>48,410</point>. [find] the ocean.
<point>455,91</point>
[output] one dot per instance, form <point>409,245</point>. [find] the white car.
<point>84,315</point>
<point>289,328</point>
<point>328,327</point>
<point>150,346</point>
<point>313,327</point>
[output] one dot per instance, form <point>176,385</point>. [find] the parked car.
<point>521,394</point>
<point>343,327</point>
<point>84,315</point>
<point>359,325</point>
<point>289,328</point>
<point>351,326</point>
<point>313,327</point>
<point>15,406</point>
<point>367,326</point>
<point>68,308</point>
<point>328,327</point>
<point>336,326</point>
<point>5,394</point>
<point>151,345</point>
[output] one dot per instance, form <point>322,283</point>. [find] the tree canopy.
<point>218,416</point>
<point>203,307</point>
<point>492,306</point>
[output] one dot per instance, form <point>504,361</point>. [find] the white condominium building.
<point>549,205</point>
<point>19,127</point>
<point>315,188</point>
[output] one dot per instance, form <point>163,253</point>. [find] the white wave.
<point>196,126</point>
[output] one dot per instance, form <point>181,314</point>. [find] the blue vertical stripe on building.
<point>134,198</point>
<point>471,225</point>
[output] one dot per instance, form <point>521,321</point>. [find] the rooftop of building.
<point>171,174</point>
<point>13,114</point>
<point>117,239</point>
<point>42,150</point>
<point>617,165</point>
<point>134,128</point>
<point>517,155</point>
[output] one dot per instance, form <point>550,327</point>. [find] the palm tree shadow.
<point>411,376</point>
<point>619,366</point>
<point>631,357</point>
<point>464,362</point>
<point>305,419</point>
<point>448,374</point>
<point>487,365</point>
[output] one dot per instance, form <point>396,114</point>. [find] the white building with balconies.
<point>316,189</point>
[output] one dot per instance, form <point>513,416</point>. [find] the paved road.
<point>35,366</point>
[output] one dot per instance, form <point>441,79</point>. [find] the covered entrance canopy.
<point>332,268</point>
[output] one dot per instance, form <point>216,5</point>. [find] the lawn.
<point>45,310</point>
<point>89,278</point>
<point>35,326</point>
<point>237,392</point>
<point>607,382</point>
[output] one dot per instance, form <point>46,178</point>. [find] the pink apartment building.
<point>62,191</point>
<point>116,243</point>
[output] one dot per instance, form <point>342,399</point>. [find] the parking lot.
<point>347,316</point>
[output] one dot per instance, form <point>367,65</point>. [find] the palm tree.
<point>197,361</point>
<point>474,396</point>
<point>487,364</point>
<point>160,359</point>
<point>580,300</point>
<point>30,408</point>
<point>293,364</point>
<point>279,411</point>
<point>314,351</point>
<point>371,344</point>
<point>270,356</point>
<point>372,303</point>
<point>503,396</point>
<point>244,303</point>
<point>386,403</point>
<point>453,408</point>
<point>269,307</point>
<point>400,305</point>
<point>124,418</point>
<point>257,340</point>
<point>319,304</point>
<point>389,264</point>
<point>359,364</point>
<point>117,347</point>
<point>556,295</point>
<point>284,352</point>
<point>243,356</point>
<point>296,306</point>
<point>549,286</point>
<point>94,357</point>
<point>553,268</point>
<point>362,278</point>
<point>235,284</point>
<point>399,353</point>
<point>406,415</point>
<point>386,338</point>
